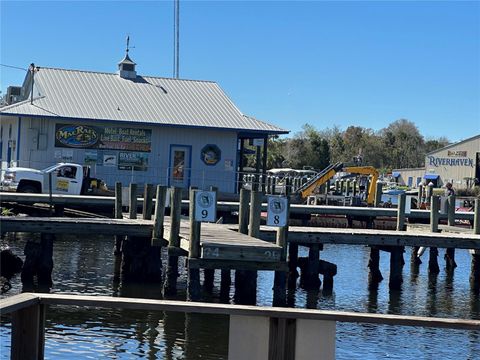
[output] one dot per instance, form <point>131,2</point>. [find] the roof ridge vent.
<point>126,67</point>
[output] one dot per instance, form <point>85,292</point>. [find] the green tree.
<point>308,148</point>
<point>399,145</point>
<point>336,144</point>
<point>276,151</point>
<point>435,144</point>
<point>404,144</point>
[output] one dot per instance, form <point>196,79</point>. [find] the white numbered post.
<point>205,206</point>
<point>277,211</point>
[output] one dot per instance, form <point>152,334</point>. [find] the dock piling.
<point>309,277</point>
<point>378,194</point>
<point>433,267</point>
<point>396,263</point>
<point>118,215</point>
<point>402,198</point>
<point>246,280</point>
<point>475,269</point>
<point>396,252</point>
<point>139,259</point>
<point>193,290</point>
<point>244,211</point>
<point>225,283</point>
<point>280,277</point>
<point>157,233</point>
<point>132,204</point>
<point>374,274</point>
<point>209,274</point>
<point>450,252</point>
<point>147,202</point>
<point>38,261</point>
<point>170,284</point>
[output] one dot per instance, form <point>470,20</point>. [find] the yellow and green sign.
<point>107,137</point>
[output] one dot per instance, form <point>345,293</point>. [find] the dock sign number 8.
<point>205,206</point>
<point>277,211</point>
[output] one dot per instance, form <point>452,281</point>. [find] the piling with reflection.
<point>433,267</point>
<point>246,280</point>
<point>396,252</point>
<point>475,269</point>
<point>450,252</point>
<point>170,284</point>
<point>193,286</point>
<point>140,259</point>
<point>118,215</point>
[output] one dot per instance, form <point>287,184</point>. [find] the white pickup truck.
<point>67,178</point>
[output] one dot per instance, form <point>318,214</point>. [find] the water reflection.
<point>89,267</point>
<point>130,334</point>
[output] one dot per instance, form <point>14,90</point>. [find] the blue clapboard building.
<point>128,127</point>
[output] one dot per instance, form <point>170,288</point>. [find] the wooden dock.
<point>222,248</point>
<point>63,225</point>
<point>219,245</point>
<point>228,206</point>
<point>211,246</point>
<point>224,242</point>
<point>311,235</point>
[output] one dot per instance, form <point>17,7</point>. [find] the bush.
<point>475,191</point>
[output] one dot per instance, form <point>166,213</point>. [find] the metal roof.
<point>454,144</point>
<point>159,101</point>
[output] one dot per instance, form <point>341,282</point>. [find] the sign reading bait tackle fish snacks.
<point>108,137</point>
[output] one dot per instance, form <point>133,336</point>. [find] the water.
<point>87,267</point>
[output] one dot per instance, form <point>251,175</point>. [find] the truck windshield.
<point>50,168</point>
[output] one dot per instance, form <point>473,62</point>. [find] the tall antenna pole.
<point>176,38</point>
<point>32,70</point>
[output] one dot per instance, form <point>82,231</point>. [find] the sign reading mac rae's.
<point>107,137</point>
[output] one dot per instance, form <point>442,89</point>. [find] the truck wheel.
<point>28,189</point>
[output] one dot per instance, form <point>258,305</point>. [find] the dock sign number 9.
<point>205,206</point>
<point>277,211</point>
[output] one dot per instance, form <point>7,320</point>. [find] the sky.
<point>290,63</point>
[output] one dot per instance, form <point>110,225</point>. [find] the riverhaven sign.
<point>437,161</point>
<point>107,137</point>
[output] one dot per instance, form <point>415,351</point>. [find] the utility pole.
<point>176,38</point>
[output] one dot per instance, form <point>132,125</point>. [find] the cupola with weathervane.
<point>126,67</point>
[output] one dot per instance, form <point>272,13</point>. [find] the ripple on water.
<point>87,267</point>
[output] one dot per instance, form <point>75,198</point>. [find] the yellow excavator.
<point>328,173</point>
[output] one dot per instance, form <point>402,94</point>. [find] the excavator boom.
<point>366,170</point>
<point>328,173</point>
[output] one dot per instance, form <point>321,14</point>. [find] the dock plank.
<point>230,206</point>
<point>317,235</point>
<point>218,242</point>
<point>64,225</point>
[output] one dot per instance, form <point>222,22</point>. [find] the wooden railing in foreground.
<point>255,332</point>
